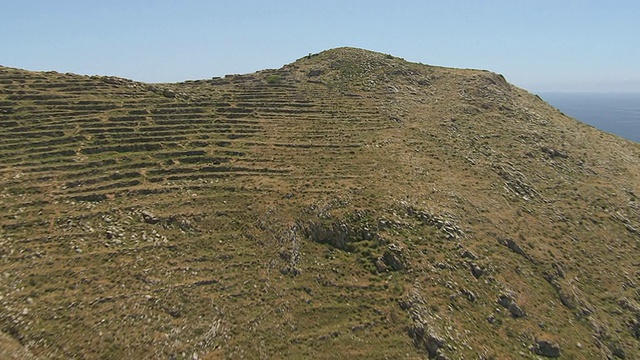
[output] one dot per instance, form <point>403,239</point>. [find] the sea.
<point>616,113</point>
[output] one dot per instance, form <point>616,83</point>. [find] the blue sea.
<point>616,113</point>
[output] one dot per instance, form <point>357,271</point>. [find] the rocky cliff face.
<point>348,204</point>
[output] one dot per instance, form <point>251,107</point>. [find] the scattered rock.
<point>546,348</point>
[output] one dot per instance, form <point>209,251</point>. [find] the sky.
<point>539,45</point>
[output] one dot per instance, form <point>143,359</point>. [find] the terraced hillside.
<point>348,205</point>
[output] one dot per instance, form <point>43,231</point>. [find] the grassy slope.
<point>285,203</point>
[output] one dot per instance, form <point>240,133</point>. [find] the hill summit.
<point>349,204</point>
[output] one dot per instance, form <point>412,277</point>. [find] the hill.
<point>347,205</point>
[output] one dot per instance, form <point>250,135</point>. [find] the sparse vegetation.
<point>273,79</point>
<point>350,204</point>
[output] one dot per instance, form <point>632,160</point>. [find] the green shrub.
<point>273,79</point>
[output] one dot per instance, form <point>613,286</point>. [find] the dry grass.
<point>279,199</point>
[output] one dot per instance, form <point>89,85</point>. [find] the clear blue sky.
<point>541,45</point>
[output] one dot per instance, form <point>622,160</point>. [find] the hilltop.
<point>350,204</point>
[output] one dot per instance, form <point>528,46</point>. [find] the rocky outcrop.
<point>447,226</point>
<point>340,233</point>
<point>424,336</point>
